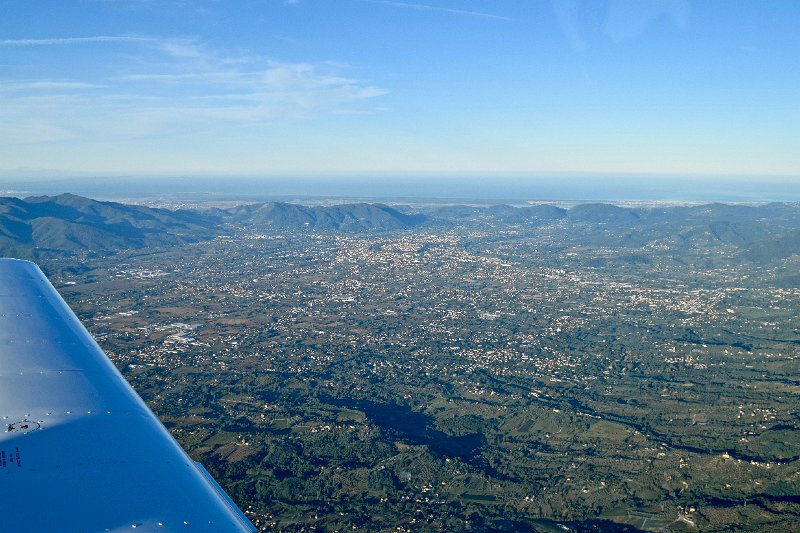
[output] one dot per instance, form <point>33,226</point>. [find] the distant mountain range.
<point>68,224</point>
<point>347,217</point>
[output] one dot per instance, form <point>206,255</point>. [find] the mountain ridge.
<point>68,223</point>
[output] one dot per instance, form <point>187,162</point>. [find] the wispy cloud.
<point>625,20</point>
<point>73,40</point>
<point>426,7</point>
<point>49,85</point>
<point>172,86</point>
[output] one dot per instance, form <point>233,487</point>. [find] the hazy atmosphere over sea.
<point>419,187</point>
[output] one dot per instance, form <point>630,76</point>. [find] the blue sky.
<point>275,87</point>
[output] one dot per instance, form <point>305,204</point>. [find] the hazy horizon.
<point>456,187</point>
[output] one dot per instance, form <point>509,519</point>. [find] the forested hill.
<point>347,217</point>
<point>68,223</point>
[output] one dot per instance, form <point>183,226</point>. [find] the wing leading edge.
<point>79,450</point>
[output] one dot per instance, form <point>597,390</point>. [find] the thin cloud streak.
<point>73,40</point>
<point>50,85</point>
<point>232,78</point>
<point>425,7</point>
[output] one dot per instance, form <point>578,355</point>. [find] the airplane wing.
<point>79,450</point>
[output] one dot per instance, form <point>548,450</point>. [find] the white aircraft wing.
<point>79,450</point>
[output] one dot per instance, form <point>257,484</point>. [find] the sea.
<point>413,188</point>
